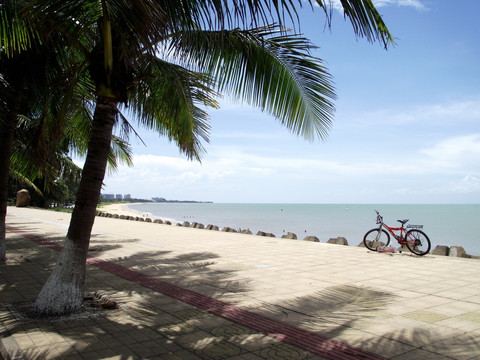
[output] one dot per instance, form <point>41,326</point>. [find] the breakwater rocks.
<point>452,251</point>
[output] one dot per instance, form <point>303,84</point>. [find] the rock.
<point>290,235</point>
<point>168,222</point>
<point>246,231</point>
<point>148,220</point>
<point>186,224</point>
<point>312,238</point>
<point>23,198</point>
<point>158,221</point>
<point>457,251</point>
<point>262,233</point>
<point>196,225</point>
<point>441,250</point>
<point>122,217</point>
<point>139,219</point>
<point>338,241</point>
<point>229,229</point>
<point>212,227</point>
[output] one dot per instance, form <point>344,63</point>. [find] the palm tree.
<point>46,99</point>
<point>202,52</point>
<point>22,74</point>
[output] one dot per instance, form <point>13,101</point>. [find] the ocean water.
<point>444,224</point>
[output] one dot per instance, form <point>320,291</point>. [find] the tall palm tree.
<point>22,76</point>
<point>46,99</point>
<point>202,52</point>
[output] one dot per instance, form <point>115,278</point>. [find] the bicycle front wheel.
<point>417,242</point>
<point>375,238</point>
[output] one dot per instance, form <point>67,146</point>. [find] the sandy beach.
<point>120,209</point>
<point>192,288</point>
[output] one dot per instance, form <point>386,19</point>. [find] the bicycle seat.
<point>403,222</point>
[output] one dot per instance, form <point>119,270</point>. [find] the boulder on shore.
<point>23,198</point>
<point>441,250</point>
<point>311,238</point>
<point>229,229</point>
<point>338,241</point>
<point>212,227</point>
<point>457,251</point>
<point>290,235</point>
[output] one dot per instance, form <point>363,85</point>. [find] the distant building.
<point>108,196</point>
<point>127,197</point>
<point>119,197</point>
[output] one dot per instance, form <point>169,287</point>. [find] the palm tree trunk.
<point>7,132</point>
<point>63,291</point>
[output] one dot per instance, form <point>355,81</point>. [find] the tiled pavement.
<point>199,294</point>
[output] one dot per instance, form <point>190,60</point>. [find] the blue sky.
<point>406,127</point>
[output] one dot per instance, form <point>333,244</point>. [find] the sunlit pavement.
<point>199,294</point>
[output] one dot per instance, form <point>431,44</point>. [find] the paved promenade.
<point>198,294</point>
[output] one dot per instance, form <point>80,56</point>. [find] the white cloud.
<point>455,152</point>
<point>462,111</point>
<point>469,184</point>
<point>416,4</point>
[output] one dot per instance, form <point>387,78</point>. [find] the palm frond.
<point>120,153</point>
<point>16,34</point>
<point>167,99</point>
<point>364,17</point>
<point>267,69</point>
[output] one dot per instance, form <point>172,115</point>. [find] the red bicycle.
<point>411,236</point>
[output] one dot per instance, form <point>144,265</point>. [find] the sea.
<point>444,224</point>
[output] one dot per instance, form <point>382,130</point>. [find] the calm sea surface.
<point>444,224</point>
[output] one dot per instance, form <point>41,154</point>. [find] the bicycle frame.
<point>403,230</point>
<point>400,237</point>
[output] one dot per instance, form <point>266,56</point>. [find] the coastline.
<point>123,210</point>
<point>120,209</point>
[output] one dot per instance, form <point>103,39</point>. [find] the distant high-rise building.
<point>127,197</point>
<point>108,196</point>
<point>119,197</point>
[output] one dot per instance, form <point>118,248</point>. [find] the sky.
<point>406,128</point>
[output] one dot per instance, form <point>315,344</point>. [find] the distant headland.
<point>129,198</point>
<point>163,200</point>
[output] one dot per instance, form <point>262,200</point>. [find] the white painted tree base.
<point>63,291</point>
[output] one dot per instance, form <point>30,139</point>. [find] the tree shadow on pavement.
<point>151,325</point>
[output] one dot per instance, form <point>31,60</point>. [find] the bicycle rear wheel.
<point>417,242</point>
<point>373,239</point>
